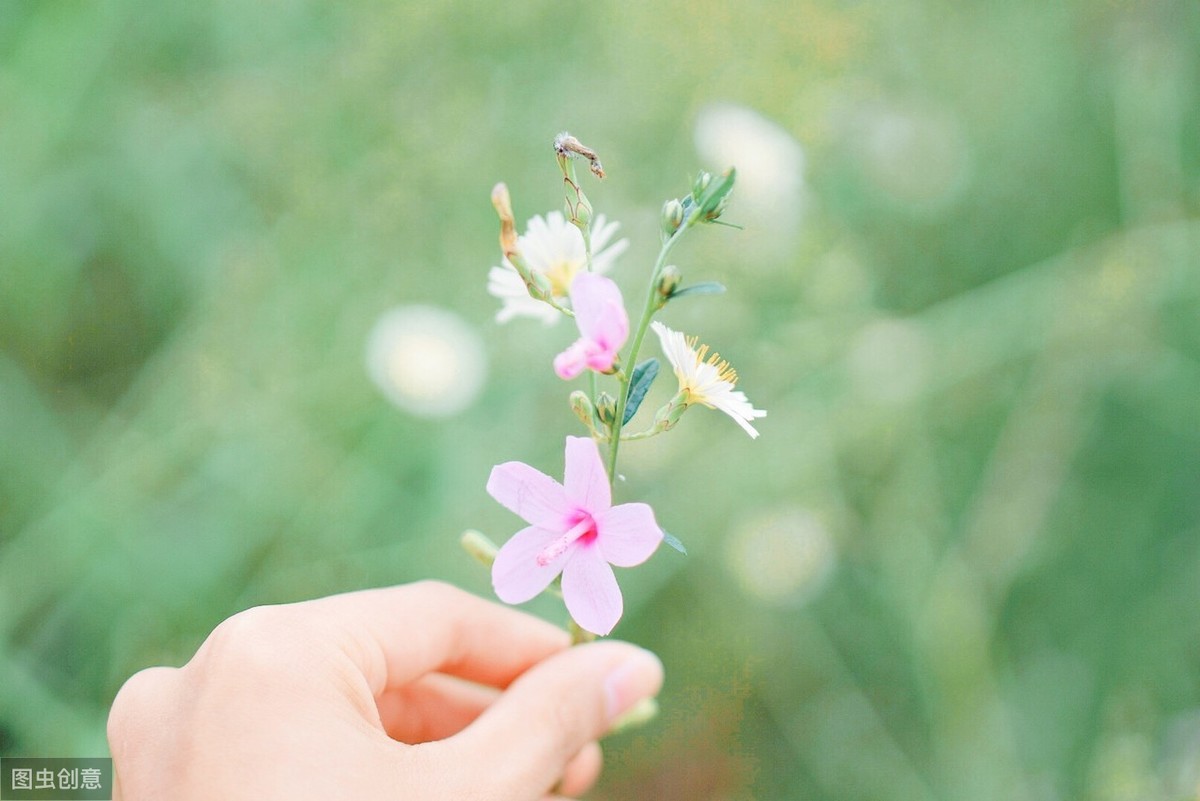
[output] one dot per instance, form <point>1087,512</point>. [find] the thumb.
<point>519,746</point>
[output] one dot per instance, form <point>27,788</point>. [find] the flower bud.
<point>667,416</point>
<point>703,179</point>
<point>606,408</point>
<point>479,546</point>
<point>539,285</point>
<point>669,281</point>
<point>672,216</point>
<point>581,404</point>
<point>716,197</point>
<point>579,211</point>
<point>716,211</point>
<point>508,228</point>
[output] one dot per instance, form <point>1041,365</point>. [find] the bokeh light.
<point>426,360</point>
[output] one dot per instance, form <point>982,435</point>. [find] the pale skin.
<point>420,691</point>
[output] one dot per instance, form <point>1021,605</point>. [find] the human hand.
<point>420,691</point>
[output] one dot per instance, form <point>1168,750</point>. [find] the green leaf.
<point>705,288</point>
<point>639,382</point>
<point>673,541</point>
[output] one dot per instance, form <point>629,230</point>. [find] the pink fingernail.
<point>640,676</point>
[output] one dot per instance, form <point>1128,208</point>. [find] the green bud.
<point>479,546</point>
<point>606,408</point>
<point>716,195</point>
<point>581,404</point>
<point>579,211</point>
<point>672,216</point>
<point>638,715</point>
<point>703,179</point>
<point>669,281</point>
<point>717,210</point>
<point>666,417</point>
<point>539,285</point>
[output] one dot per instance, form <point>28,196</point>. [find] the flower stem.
<point>640,334</point>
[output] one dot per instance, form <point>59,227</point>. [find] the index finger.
<point>395,635</point>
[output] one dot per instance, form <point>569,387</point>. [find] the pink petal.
<point>590,591</point>
<point>600,312</point>
<point>627,534</point>
<point>516,575</point>
<point>585,479</point>
<point>601,358</point>
<point>571,361</point>
<point>530,493</point>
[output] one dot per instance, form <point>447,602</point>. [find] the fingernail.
<point>639,676</point>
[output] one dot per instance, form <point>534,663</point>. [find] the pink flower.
<point>603,326</point>
<point>574,530</point>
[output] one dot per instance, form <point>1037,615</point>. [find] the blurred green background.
<point>961,562</point>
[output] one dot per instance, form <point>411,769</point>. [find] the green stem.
<point>647,434</point>
<point>639,334</point>
<point>586,230</point>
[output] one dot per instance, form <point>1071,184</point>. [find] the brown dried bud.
<point>508,227</point>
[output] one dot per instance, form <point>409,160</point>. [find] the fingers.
<point>397,634</point>
<point>522,743</point>
<point>141,719</point>
<point>432,708</point>
<point>145,698</point>
<point>582,771</point>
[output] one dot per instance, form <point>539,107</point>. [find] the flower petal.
<point>585,480</point>
<point>600,311</point>
<point>571,361</point>
<point>590,591</point>
<point>516,575</point>
<point>737,406</point>
<point>627,534</point>
<point>532,494</point>
<point>675,348</point>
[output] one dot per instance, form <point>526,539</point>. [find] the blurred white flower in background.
<point>769,162</point>
<point>426,360</point>
<point>782,557</point>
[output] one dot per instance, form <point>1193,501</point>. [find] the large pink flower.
<point>603,326</point>
<point>574,530</point>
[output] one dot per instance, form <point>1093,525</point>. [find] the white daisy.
<point>705,379</point>
<point>554,247</point>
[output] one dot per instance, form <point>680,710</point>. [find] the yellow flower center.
<point>561,274</point>
<point>725,372</point>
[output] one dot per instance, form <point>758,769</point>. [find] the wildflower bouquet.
<point>575,534</point>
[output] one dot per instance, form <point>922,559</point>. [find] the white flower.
<point>426,360</point>
<point>704,379</point>
<point>769,161</point>
<point>554,247</point>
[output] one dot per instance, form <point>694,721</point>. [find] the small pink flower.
<point>574,530</point>
<point>603,326</point>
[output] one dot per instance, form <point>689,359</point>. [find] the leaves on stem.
<point>639,383</point>
<point>703,288</point>
<point>673,541</point>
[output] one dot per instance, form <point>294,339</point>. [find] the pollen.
<point>725,371</point>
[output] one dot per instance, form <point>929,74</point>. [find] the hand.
<point>420,691</point>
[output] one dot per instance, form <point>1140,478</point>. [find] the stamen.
<point>725,371</point>
<point>560,545</point>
